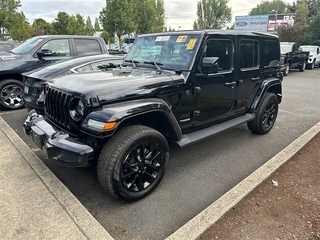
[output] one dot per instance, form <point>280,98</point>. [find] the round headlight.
<point>76,109</point>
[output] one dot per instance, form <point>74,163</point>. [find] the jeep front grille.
<point>56,105</point>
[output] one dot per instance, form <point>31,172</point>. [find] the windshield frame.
<point>170,51</point>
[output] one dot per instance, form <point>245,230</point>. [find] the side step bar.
<point>191,138</point>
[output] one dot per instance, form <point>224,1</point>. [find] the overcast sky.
<point>179,13</point>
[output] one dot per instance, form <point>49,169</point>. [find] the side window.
<point>87,47</point>
<point>222,48</point>
<point>58,47</point>
<point>271,51</point>
<point>249,53</point>
<point>295,47</point>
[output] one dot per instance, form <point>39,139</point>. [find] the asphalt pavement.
<point>36,205</point>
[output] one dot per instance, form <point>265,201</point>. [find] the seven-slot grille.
<point>56,105</point>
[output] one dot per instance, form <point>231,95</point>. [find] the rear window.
<point>87,47</point>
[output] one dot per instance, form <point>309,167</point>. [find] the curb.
<point>209,216</point>
<point>86,223</point>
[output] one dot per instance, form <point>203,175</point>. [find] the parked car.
<point>37,52</point>
<point>292,57</point>
<point>35,81</point>
<point>202,83</point>
<point>314,55</point>
<point>6,46</point>
<point>123,50</point>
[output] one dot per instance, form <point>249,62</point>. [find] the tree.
<point>116,18</point>
<point>7,12</point>
<point>89,29</point>
<point>212,14</point>
<point>144,15</point>
<point>159,23</point>
<point>41,27</point>
<point>20,29</point>
<point>76,25</point>
<point>267,7</point>
<point>313,7</point>
<point>299,31</point>
<point>97,25</point>
<point>61,23</point>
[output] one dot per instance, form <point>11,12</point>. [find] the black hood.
<point>119,83</point>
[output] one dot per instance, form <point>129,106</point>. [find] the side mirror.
<point>44,53</point>
<point>210,65</point>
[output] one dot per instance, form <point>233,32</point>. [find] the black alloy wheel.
<point>266,115</point>
<point>133,162</point>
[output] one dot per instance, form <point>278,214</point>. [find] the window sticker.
<point>38,41</point>
<point>182,39</point>
<point>162,38</point>
<point>191,44</point>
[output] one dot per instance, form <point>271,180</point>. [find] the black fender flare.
<point>273,85</point>
<point>121,111</point>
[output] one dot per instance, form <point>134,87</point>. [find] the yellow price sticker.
<point>191,44</point>
<point>182,38</point>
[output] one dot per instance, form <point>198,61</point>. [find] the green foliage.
<point>97,25</point>
<point>212,14</point>
<point>60,25</point>
<point>7,15</point>
<point>159,22</point>
<point>19,27</point>
<point>312,35</point>
<point>108,38</point>
<point>117,17</point>
<point>313,7</point>
<point>144,15</point>
<point>41,27</point>
<point>267,7</point>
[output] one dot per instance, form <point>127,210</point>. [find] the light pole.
<point>276,18</point>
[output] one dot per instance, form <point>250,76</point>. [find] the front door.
<point>214,94</point>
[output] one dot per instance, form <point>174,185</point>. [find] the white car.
<point>314,56</point>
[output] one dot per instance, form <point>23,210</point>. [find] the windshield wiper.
<point>156,64</point>
<point>134,63</point>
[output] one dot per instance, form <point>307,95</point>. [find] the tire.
<point>287,69</point>
<point>313,64</point>
<point>133,162</point>
<point>11,92</point>
<point>266,115</point>
<point>303,66</point>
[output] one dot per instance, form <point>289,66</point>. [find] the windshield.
<point>309,49</point>
<point>170,51</point>
<point>27,46</point>
<point>286,48</point>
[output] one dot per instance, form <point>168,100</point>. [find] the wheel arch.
<point>273,86</point>
<point>15,76</point>
<point>154,113</point>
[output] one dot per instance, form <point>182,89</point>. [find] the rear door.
<point>249,72</point>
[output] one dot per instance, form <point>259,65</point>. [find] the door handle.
<point>255,79</point>
<point>230,84</point>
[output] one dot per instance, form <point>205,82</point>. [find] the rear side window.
<point>87,47</point>
<point>249,53</point>
<point>271,53</point>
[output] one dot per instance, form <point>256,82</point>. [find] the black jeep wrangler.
<point>172,87</point>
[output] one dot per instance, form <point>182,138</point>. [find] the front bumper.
<point>57,145</point>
